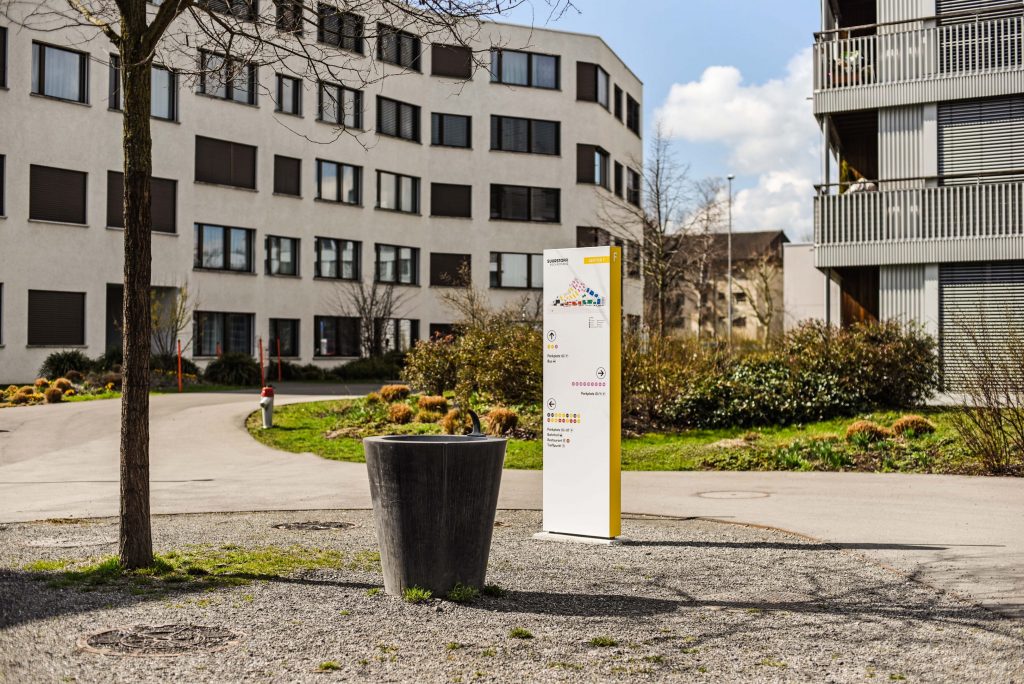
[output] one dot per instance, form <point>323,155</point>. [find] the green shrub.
<point>58,364</point>
<point>390,393</point>
<point>169,363</point>
<point>913,426</point>
<point>603,641</point>
<point>430,365</point>
<point>291,372</point>
<point>416,594</point>
<point>520,633</point>
<point>111,359</point>
<point>428,416</point>
<point>461,593</point>
<point>433,403</point>
<point>53,395</point>
<point>75,377</point>
<point>386,367</point>
<point>373,398</point>
<point>233,368</point>
<point>501,421</point>
<point>400,413</point>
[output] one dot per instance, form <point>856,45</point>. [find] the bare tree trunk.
<point>136,541</point>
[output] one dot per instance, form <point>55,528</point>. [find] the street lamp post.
<point>729,263</point>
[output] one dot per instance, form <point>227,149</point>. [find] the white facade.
<point>45,131</point>
<point>803,287</point>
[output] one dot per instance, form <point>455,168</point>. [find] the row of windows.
<point>60,195</point>
<point>63,74</point>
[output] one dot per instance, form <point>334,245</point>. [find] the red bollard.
<point>279,359</point>
<point>259,341</point>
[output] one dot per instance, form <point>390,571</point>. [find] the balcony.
<point>901,63</point>
<point>962,220</point>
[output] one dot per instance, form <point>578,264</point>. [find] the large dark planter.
<point>434,499</point>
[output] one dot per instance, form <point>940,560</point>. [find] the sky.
<point>731,81</point>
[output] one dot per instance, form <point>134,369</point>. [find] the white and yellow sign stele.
<point>582,407</point>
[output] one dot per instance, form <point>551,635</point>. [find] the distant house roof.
<point>745,245</point>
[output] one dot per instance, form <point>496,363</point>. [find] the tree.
<point>171,311</point>
<point>759,281</point>
<point>172,31</point>
<point>374,304</point>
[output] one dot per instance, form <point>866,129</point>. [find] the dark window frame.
<point>298,181</point>
<point>417,114</point>
<point>226,231</point>
<point>617,179</point>
<point>274,333</point>
<point>531,190</point>
<point>357,251</point>
<point>434,187</point>
<point>357,112</point>
<point>414,253</point>
<point>85,196</point>
<point>632,114</point>
<point>39,49</point>
<point>32,331</point>
<point>497,55</point>
<point>354,341</point>
<point>591,91</point>
<point>297,98</point>
<point>437,128</point>
<point>459,278</point>
<point>498,123</point>
<point>341,166</point>
<point>228,84</point>
<point>289,23</point>
<point>3,56</point>
<point>633,187</point>
<point>352,43</point>
<point>296,252</point>
<point>415,49</point>
<point>114,89</point>
<point>437,50</point>
<point>417,189</point>
<point>232,168</point>
<point>617,101</point>
<point>154,181</point>
<point>3,185</point>
<point>232,8</point>
<point>197,332</point>
<point>529,271</point>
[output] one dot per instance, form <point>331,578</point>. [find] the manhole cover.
<point>69,542</point>
<point>733,495</point>
<point>314,525</point>
<point>162,640</point>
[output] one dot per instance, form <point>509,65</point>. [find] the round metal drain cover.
<point>733,495</point>
<point>314,525</point>
<point>161,640</point>
<point>69,542</point>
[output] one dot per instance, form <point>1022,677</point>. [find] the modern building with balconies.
<point>920,213</point>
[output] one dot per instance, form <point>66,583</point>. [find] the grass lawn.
<point>333,429</point>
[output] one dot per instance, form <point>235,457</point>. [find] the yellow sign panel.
<point>597,260</point>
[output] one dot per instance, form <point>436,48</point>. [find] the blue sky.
<point>730,78</point>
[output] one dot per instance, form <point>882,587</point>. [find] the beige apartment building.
<point>267,211</point>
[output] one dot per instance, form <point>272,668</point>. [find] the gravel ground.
<point>692,600</point>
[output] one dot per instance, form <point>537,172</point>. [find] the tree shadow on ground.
<point>809,545</point>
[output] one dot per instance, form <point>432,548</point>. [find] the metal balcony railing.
<point>959,45</point>
<point>954,211</point>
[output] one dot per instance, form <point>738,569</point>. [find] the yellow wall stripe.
<point>615,385</point>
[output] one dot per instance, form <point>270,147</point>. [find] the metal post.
<point>729,262</point>
<point>179,366</point>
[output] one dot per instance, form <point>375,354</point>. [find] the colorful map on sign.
<point>579,294</point>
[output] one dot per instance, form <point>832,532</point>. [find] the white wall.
<point>803,287</point>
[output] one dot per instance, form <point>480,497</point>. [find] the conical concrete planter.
<point>434,499</point>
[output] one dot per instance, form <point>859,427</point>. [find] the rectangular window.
<point>450,130</point>
<point>163,97</point>
<point>340,105</point>
<point>225,163</point>
<point>592,165</point>
<point>284,338</point>
<point>633,259</point>
<point>287,176</point>
<point>588,236</point>
<point>398,47</point>
<point>531,69</point>
<point>522,271</point>
<point>336,336</point>
<point>247,10</point>
<point>632,115</point>
<point>450,270</point>
<point>453,61</point>
<point>3,185</point>
<point>222,248</point>
<point>618,103</point>
<point>289,95</point>
<point>56,194</point>
<point>397,334</point>
<point>633,187</point>
<point>3,56</point>
<point>337,259</point>
<point>217,332</point>
<point>398,265</point>
<point>397,192</point>
<point>521,203</point>
<point>398,119</point>
<point>339,29</point>
<point>289,16</point>
<point>227,78</point>
<point>282,256</point>
<point>60,73</point>
<point>163,202</point>
<point>618,179</point>
<point>451,200</point>
<point>591,83</point>
<point>56,318</point>
<point>513,134</point>
<point>337,182</point>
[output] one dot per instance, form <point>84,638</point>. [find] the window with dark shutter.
<point>618,103</point>
<point>284,337</point>
<point>450,130</point>
<point>451,200</point>
<point>56,194</point>
<point>56,318</point>
<point>453,61</point>
<point>162,202</point>
<point>340,29</point>
<point>225,163</point>
<point>588,236</point>
<point>3,185</point>
<point>289,16</point>
<point>632,115</point>
<point>398,47</point>
<point>586,81</point>
<point>514,67</point>
<point>585,163</point>
<point>398,119</point>
<point>513,134</point>
<point>618,179</point>
<point>287,176</point>
<point>450,270</point>
<point>3,56</point>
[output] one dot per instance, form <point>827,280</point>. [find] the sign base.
<point>580,539</point>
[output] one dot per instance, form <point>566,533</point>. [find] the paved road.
<point>958,533</point>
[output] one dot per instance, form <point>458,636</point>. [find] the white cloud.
<point>769,132</point>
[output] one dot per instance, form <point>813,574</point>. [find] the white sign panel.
<point>582,407</point>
